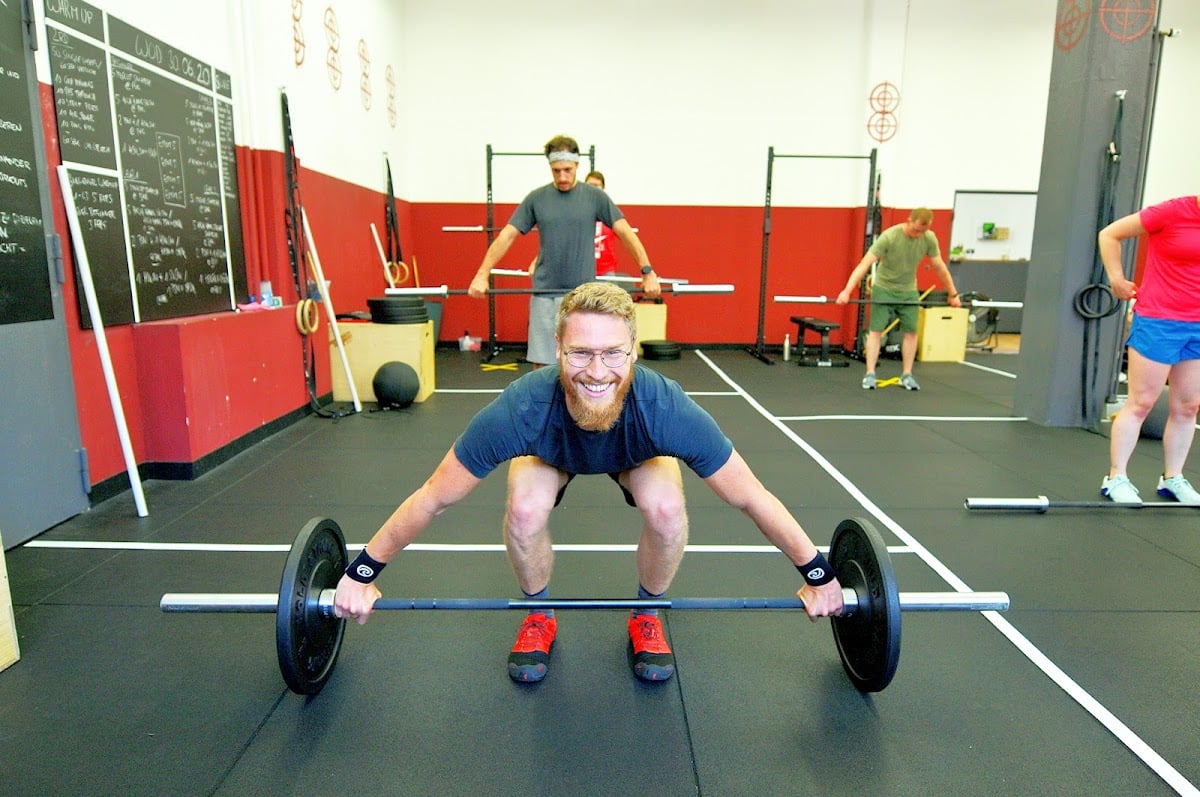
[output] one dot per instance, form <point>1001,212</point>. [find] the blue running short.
<point>1165,341</point>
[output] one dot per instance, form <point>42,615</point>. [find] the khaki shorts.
<point>543,318</point>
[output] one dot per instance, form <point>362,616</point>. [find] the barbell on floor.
<point>308,636</point>
<point>1042,503</point>
<point>918,303</point>
<point>443,290</point>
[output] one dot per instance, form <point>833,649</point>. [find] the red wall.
<point>191,386</point>
<point>812,251</point>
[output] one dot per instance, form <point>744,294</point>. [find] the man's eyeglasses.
<point>611,358</point>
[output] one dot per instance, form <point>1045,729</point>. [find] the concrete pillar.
<point>1103,51</point>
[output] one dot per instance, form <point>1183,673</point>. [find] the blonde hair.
<point>920,215</point>
<point>605,298</point>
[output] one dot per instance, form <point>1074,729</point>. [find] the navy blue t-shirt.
<point>531,417</point>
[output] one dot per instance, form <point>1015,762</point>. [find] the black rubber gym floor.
<point>1087,685</point>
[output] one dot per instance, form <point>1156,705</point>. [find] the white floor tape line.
<point>1119,729</point>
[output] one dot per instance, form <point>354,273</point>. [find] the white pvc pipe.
<point>387,272</point>
<point>627,278</point>
<point>718,287</point>
<point>333,324</point>
<point>803,299</point>
<point>827,300</point>
<point>110,378</point>
<point>442,291</point>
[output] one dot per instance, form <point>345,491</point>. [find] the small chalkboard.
<point>156,125</point>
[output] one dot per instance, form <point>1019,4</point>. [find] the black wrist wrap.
<point>817,572</point>
<point>364,569</point>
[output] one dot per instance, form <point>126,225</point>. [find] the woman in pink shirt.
<point>1164,341</point>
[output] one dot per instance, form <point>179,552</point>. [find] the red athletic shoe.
<point>527,661</point>
<point>652,658</point>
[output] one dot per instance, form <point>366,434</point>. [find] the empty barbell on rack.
<point>308,636</point>
<point>916,302</point>
<point>443,290</point>
<point>1042,503</point>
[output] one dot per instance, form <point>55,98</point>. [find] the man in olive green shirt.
<point>898,251</point>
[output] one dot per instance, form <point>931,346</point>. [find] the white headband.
<point>563,155</point>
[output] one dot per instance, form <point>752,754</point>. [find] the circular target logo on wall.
<point>1071,23</point>
<point>884,99</point>
<point>364,75</point>
<point>389,78</point>
<point>297,32</point>
<point>333,60</point>
<point>1127,20</point>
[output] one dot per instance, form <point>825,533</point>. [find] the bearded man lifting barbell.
<point>597,412</point>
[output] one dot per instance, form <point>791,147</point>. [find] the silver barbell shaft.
<point>445,290</point>
<point>625,278</point>
<point>266,603</point>
<point>1042,503</point>
<point>827,300</point>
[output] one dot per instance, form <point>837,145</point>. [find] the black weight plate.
<point>395,301</point>
<point>660,350</point>
<point>306,640</point>
<point>416,317</point>
<point>869,639</point>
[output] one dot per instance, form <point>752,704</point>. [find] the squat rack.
<point>870,233</point>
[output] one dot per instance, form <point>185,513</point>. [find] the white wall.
<point>1174,168</point>
<point>683,98</point>
<point>680,97</point>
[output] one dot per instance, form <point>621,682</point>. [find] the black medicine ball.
<point>396,384</point>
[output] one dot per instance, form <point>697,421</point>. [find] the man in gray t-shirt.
<point>565,213</point>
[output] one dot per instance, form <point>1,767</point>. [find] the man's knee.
<point>665,510</point>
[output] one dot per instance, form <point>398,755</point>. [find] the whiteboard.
<point>993,225</point>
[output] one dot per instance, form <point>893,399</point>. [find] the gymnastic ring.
<point>398,271</point>
<point>1103,306</point>
<point>307,316</point>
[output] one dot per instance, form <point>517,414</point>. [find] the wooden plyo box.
<point>942,334</point>
<point>9,653</point>
<point>651,321</point>
<point>369,346</point>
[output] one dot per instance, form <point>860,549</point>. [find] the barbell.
<point>915,302</point>
<point>626,278</point>
<point>1042,503</point>
<point>308,636</point>
<point>443,290</point>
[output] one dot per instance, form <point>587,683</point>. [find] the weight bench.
<point>823,328</point>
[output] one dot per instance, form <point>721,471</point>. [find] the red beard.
<point>592,415</point>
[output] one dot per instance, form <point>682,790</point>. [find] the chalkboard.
<point>24,272</point>
<point>160,122</point>
<point>98,209</point>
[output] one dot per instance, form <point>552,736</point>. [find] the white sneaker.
<point>909,382</point>
<point>868,382</point>
<point>1119,490</point>
<point>1179,489</point>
